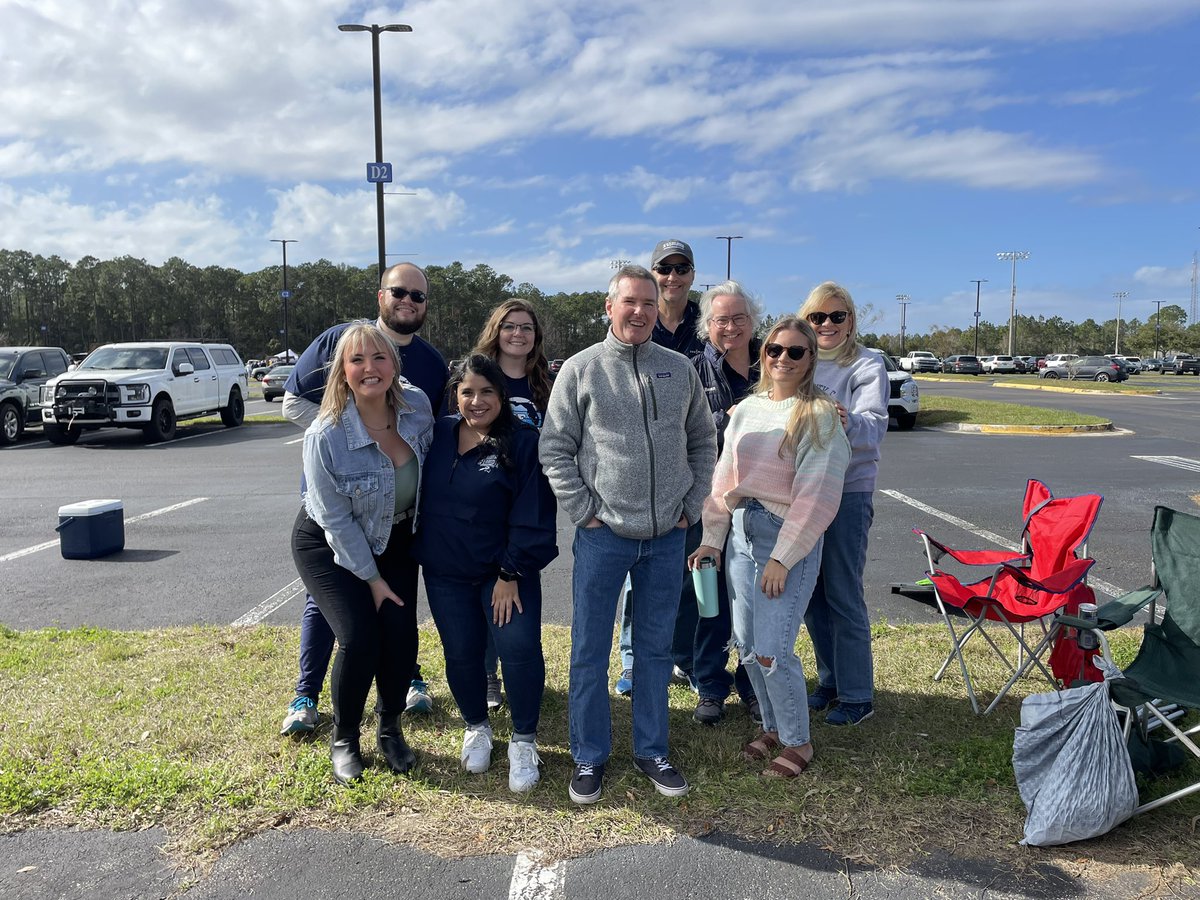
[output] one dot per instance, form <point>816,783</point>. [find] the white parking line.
<point>272,603</point>
<point>533,880</point>
<point>179,440</point>
<point>17,554</point>
<point>298,440</point>
<point>1178,462</point>
<point>1102,586</point>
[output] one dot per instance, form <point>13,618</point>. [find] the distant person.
<point>351,541</point>
<point>778,483</point>
<point>837,617</point>
<point>403,304</point>
<point>674,269</point>
<point>512,336</point>
<point>485,532</point>
<point>628,447</point>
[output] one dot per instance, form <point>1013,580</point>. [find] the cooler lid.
<point>90,507</point>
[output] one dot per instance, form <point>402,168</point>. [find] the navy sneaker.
<point>850,714</point>
<point>587,782</point>
<point>666,778</point>
<point>709,711</point>
<point>822,698</point>
<point>754,708</point>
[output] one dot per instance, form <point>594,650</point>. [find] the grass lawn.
<point>178,728</point>
<point>942,410</point>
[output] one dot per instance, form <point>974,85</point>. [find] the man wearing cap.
<point>674,269</point>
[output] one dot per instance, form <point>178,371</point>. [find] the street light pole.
<point>285,296</point>
<point>1157,322</point>
<point>376,30</point>
<point>903,301</point>
<point>978,282</point>
<point>1119,296</point>
<point>728,239</point>
<point>1015,256</point>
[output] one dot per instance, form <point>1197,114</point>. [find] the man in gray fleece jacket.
<point>629,448</point>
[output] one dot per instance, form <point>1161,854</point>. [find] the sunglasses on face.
<point>818,318</point>
<point>678,269</point>
<point>400,293</point>
<point>777,350</point>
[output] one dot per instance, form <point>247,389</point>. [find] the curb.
<point>1139,392</point>
<point>970,428</point>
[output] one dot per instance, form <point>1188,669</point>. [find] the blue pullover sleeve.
<point>532,527</point>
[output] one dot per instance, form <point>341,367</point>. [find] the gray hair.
<point>630,270</point>
<point>726,289</point>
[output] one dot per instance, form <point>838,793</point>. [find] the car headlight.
<point>60,391</point>
<point>135,393</point>
<point>909,390</point>
<point>47,394</point>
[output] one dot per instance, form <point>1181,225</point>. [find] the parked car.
<point>962,365</point>
<point>1180,364</point>
<point>1025,364</point>
<point>1059,359</point>
<point>904,400</point>
<point>1151,364</point>
<point>555,365</point>
<point>1134,362</point>
<point>23,371</point>
<point>999,364</point>
<point>1126,365</point>
<point>920,361</point>
<point>1090,368</point>
<point>273,382</point>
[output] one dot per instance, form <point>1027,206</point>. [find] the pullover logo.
<point>662,374</point>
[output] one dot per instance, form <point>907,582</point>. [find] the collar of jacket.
<point>716,357</point>
<point>356,431</point>
<point>632,351</point>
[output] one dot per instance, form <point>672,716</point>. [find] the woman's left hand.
<point>504,598</point>
<point>843,416</point>
<point>774,577</point>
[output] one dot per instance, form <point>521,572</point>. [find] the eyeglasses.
<point>837,318</point>
<point>777,350</point>
<point>678,268</point>
<point>400,293</point>
<point>725,321</point>
<point>524,328</point>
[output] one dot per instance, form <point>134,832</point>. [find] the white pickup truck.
<point>920,361</point>
<point>147,385</point>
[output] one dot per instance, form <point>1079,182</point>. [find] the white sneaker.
<point>477,748</point>
<point>523,762</point>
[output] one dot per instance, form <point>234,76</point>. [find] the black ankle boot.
<point>347,760</point>
<point>399,756</point>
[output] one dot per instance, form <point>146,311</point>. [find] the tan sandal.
<point>788,764</point>
<point>761,747</point>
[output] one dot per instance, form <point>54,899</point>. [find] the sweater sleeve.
<point>558,447</point>
<point>717,517</point>
<point>867,405</point>
<point>816,491</point>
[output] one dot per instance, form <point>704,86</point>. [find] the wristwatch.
<point>505,575</point>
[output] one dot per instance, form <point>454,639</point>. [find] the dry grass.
<point>179,728</point>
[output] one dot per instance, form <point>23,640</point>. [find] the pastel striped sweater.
<point>805,491</point>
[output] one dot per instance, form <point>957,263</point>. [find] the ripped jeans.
<point>768,628</point>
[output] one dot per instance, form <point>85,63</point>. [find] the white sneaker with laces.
<point>523,762</point>
<point>477,748</point>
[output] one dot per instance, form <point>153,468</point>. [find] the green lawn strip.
<point>1084,384</point>
<point>938,409</point>
<point>178,728</point>
<point>257,419</point>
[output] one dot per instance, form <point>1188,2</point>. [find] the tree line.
<point>45,300</point>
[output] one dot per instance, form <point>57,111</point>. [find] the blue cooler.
<point>91,528</point>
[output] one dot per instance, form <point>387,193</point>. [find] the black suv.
<point>23,371</point>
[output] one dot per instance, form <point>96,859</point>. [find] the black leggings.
<point>379,645</point>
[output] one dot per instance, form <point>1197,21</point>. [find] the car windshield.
<point>127,358</point>
<point>7,361</point>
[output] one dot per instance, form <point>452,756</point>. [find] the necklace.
<point>386,426</point>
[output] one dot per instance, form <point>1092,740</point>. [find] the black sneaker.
<point>709,711</point>
<point>666,778</point>
<point>587,782</point>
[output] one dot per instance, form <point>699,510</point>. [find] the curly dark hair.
<point>499,436</point>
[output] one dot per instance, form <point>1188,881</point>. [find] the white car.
<point>995,364</point>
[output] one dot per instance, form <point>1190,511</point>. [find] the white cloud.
<point>1164,277</point>
<point>578,209</point>
<point>657,190</point>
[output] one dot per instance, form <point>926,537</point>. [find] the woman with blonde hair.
<point>777,484</point>
<point>351,541</point>
<point>837,617</point>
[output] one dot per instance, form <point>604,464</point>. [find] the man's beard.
<point>405,327</point>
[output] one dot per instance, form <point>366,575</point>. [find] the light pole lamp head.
<point>374,28</point>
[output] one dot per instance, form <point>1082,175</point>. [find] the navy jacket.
<point>710,366</point>
<point>477,517</point>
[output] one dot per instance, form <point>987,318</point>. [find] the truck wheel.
<point>162,421</point>
<point>56,434</point>
<point>235,411</point>
<point>906,421</point>
<point>12,423</point>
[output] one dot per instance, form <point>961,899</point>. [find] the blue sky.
<point>892,145</point>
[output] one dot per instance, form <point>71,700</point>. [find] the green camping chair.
<point>1164,680</point>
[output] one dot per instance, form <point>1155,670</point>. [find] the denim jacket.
<point>351,483</point>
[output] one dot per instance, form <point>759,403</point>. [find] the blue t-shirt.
<point>420,364</point>
<point>520,397</point>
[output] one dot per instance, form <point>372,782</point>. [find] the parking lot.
<point>208,515</point>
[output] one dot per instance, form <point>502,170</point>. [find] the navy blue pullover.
<point>478,517</point>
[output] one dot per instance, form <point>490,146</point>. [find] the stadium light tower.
<point>1118,296</point>
<point>1015,256</point>
<point>903,300</point>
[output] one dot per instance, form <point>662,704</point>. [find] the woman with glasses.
<point>837,617</point>
<point>776,485</point>
<point>362,470</point>
<point>512,336</point>
<point>487,531</point>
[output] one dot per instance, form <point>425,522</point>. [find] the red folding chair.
<point>1047,576</point>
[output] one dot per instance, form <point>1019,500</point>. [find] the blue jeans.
<point>837,617</point>
<point>462,612</point>
<point>655,568</point>
<point>768,628</point>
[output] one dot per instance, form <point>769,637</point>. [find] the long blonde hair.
<point>537,368</point>
<point>831,290</point>
<point>812,403</point>
<point>337,391</point>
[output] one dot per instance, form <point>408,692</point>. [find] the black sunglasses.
<point>776,350</point>
<point>400,293</point>
<point>818,318</point>
<point>678,268</point>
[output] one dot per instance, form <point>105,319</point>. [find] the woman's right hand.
<point>702,551</point>
<point>380,591</point>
